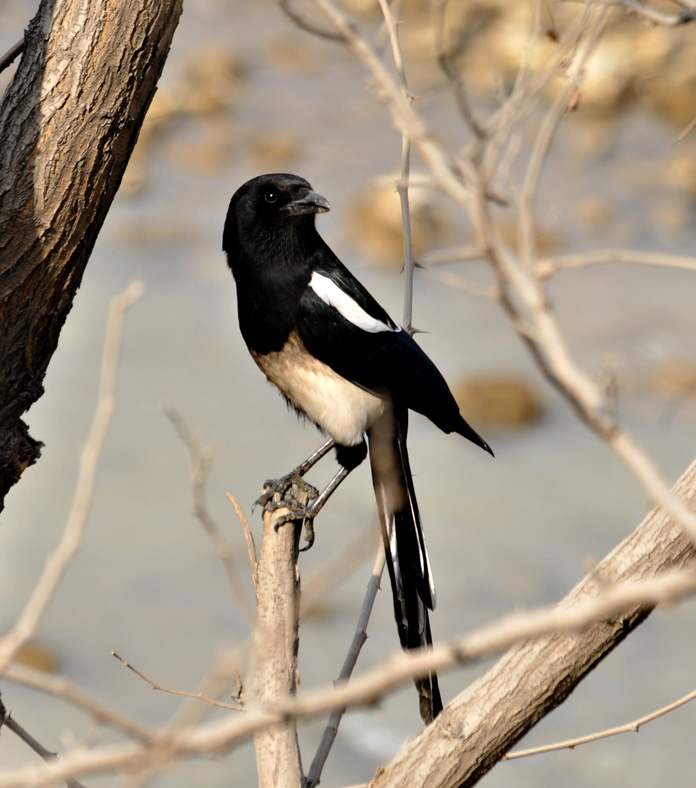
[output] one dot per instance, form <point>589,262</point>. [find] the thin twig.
<point>62,688</point>
<point>249,537</point>
<point>450,70</point>
<point>58,561</point>
<point>629,727</point>
<point>685,131</point>
<point>402,184</point>
<point>309,25</point>
<point>200,460</point>
<point>7,721</point>
<point>549,266</point>
<point>459,254</point>
<point>12,53</point>
<point>171,691</point>
<point>526,233</point>
<point>359,638</point>
<point>651,15</point>
<point>459,283</point>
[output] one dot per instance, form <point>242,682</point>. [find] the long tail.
<point>406,554</point>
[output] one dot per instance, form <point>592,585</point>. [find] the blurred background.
<point>246,92</point>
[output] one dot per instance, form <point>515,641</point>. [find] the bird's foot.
<point>272,487</point>
<point>297,511</point>
<point>287,488</point>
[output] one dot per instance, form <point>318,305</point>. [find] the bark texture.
<point>68,123</point>
<point>276,646</point>
<point>531,679</point>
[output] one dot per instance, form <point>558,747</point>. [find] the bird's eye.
<point>271,197</point>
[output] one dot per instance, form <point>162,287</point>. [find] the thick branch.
<point>68,123</point>
<point>528,682</point>
<point>275,649</point>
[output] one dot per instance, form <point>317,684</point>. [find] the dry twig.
<point>200,460</point>
<point>629,727</point>
<point>7,721</point>
<point>58,561</point>
<point>249,538</point>
<point>172,691</point>
<point>359,638</point>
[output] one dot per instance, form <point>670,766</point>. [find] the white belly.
<point>340,409</point>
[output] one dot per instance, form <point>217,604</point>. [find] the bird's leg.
<point>293,479</point>
<point>348,457</point>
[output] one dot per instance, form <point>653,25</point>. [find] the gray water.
<point>505,534</point>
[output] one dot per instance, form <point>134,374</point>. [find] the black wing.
<point>388,363</point>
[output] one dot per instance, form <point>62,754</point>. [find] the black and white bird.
<point>341,361</point>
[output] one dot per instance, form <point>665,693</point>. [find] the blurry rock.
<point>375,226</point>
<point>673,212</point>
<point>163,110</point>
<point>208,87</point>
<point>502,400</point>
<point>595,212</point>
<point>546,241</point>
<point>162,231</point>
<point>211,81</point>
<point>275,151</point>
<point>635,63</point>
<point>672,88</point>
<point>591,137</point>
<point>38,657</point>
<point>298,53</point>
<point>675,379</point>
<point>364,8</point>
<point>206,149</point>
<point>680,172</point>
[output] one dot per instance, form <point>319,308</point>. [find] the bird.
<point>341,362</point>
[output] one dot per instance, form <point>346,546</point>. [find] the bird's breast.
<point>338,407</point>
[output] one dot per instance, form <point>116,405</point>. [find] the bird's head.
<point>268,205</point>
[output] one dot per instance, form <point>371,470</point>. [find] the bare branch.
<point>274,667</point>
<point>58,561</point>
<point>171,691</point>
<point>11,724</point>
<point>307,24</point>
<point>458,283</point>
<point>359,638</point>
<point>547,267</point>
<point>403,182</point>
<point>200,460</point>
<point>249,537</point>
<point>60,687</point>
<point>629,727</point>
<point>12,53</point>
<point>651,15</point>
<point>459,254</point>
<point>577,614</point>
<point>449,69</point>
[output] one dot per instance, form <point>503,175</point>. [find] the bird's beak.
<point>311,202</point>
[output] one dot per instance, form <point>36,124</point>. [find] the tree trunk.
<point>68,123</point>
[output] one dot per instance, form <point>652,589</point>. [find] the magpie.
<point>340,361</point>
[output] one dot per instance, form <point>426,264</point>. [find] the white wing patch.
<point>331,294</point>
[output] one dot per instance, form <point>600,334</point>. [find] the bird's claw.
<point>273,487</point>
<point>286,488</point>
<point>298,512</point>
